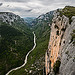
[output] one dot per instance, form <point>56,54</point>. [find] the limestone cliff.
<point>9,17</point>
<point>61,46</point>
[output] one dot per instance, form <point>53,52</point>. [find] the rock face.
<point>60,46</point>
<point>67,52</point>
<point>8,17</point>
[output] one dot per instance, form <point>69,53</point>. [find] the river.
<point>26,57</point>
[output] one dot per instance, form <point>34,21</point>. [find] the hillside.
<point>36,62</point>
<point>43,18</point>
<point>16,39</point>
<point>68,11</point>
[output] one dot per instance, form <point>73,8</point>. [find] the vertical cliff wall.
<point>59,44</point>
<point>67,51</point>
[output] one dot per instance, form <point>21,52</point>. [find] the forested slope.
<point>16,39</point>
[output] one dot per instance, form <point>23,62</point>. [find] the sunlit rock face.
<point>60,46</point>
<point>47,64</point>
<point>58,28</point>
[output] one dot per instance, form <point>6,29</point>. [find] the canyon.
<point>50,52</point>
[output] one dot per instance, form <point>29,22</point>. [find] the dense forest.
<point>15,42</point>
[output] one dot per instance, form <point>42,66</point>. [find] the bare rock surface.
<point>60,46</point>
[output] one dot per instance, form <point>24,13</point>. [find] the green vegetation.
<point>63,29</point>
<point>42,31</point>
<point>42,45</point>
<point>15,42</point>
<point>59,19</point>
<point>56,66</point>
<point>56,26</point>
<point>57,32</point>
<point>67,52</point>
<point>68,11</point>
<point>73,37</point>
<point>74,59</point>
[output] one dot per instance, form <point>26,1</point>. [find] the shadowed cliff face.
<point>59,40</point>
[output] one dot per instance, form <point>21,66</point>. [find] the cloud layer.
<point>32,8</point>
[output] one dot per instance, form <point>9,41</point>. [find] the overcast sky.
<point>32,8</point>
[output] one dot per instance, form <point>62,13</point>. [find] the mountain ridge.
<point>15,41</point>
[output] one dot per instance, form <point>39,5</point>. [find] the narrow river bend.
<point>25,61</point>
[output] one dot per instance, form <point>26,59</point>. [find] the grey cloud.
<point>27,8</point>
<point>1,4</point>
<point>7,5</point>
<point>15,0</point>
<point>47,2</point>
<point>19,9</point>
<point>50,2</point>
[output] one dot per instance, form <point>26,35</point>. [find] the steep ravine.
<point>25,61</point>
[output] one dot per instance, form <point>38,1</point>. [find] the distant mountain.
<point>29,20</point>
<point>16,39</point>
<point>43,18</point>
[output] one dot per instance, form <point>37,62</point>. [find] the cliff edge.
<point>60,56</point>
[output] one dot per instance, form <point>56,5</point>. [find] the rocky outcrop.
<point>9,17</point>
<point>60,46</point>
<point>67,52</point>
<point>43,18</point>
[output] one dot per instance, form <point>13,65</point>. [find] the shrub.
<point>74,59</point>
<point>73,37</point>
<point>66,52</point>
<point>54,21</point>
<point>60,43</point>
<point>62,36</point>
<point>56,66</point>
<point>60,14</point>
<point>68,11</point>
<point>73,31</point>
<point>63,29</point>
<point>57,33</point>
<point>70,20</point>
<point>56,26</point>
<point>59,19</point>
<point>64,42</point>
<point>57,10</point>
